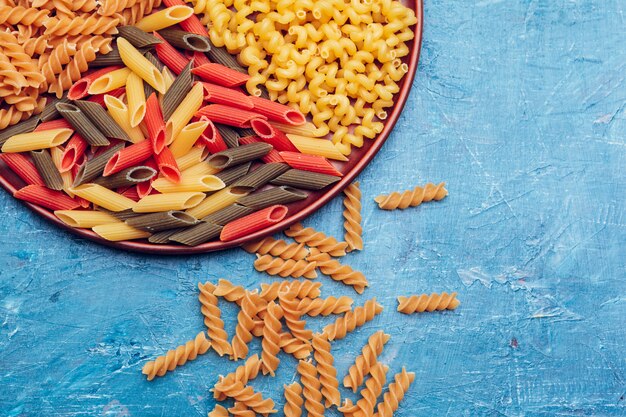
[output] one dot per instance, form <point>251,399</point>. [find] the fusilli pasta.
<point>412,198</point>
<point>315,239</point>
<point>285,267</point>
<point>326,370</point>
<point>353,319</point>
<point>425,302</point>
<point>364,362</point>
<point>395,394</point>
<point>364,407</point>
<point>213,320</point>
<point>338,271</point>
<point>271,338</point>
<point>219,411</point>
<point>312,394</point>
<point>243,374</point>
<point>293,400</point>
<point>309,289</point>
<point>177,357</point>
<point>325,306</point>
<point>278,248</point>
<point>352,216</point>
<point>292,315</point>
<point>293,346</point>
<point>245,325</point>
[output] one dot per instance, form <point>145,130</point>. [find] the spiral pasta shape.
<point>412,198</point>
<point>84,5</point>
<point>364,407</point>
<point>338,271</point>
<point>285,267</point>
<point>294,346</point>
<point>133,14</point>
<point>22,62</point>
<point>325,306</point>
<point>278,248</point>
<point>90,25</point>
<point>219,411</point>
<point>245,325</point>
<point>213,320</point>
<point>395,394</point>
<point>12,115</point>
<point>353,319</point>
<point>110,7</point>
<point>364,362</point>
<point>25,101</point>
<point>243,374</point>
<point>241,410</point>
<point>311,389</point>
<point>51,64</point>
<point>289,302</point>
<point>229,291</point>
<point>293,400</point>
<point>271,338</point>
<point>177,357</point>
<point>12,80</point>
<point>35,46</point>
<point>315,239</point>
<point>251,399</point>
<point>14,15</point>
<point>310,289</point>
<point>425,302</point>
<point>352,215</point>
<point>326,370</point>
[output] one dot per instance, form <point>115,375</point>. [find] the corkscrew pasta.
<point>353,319</point>
<point>177,357</point>
<point>212,319</point>
<point>315,239</point>
<point>278,248</point>
<point>285,267</point>
<point>364,362</point>
<point>425,302</point>
<point>412,198</point>
<point>352,216</point>
<point>326,370</point>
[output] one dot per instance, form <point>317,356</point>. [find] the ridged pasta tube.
<point>245,325</point>
<point>352,215</point>
<point>338,271</point>
<point>285,267</point>
<point>293,346</point>
<point>177,357</point>
<point>213,320</point>
<point>315,239</point>
<point>326,370</point>
<point>353,319</point>
<point>395,394</point>
<point>412,198</point>
<point>364,362</point>
<point>425,302</point>
<point>364,407</point>
<point>278,248</point>
<point>293,400</point>
<point>325,306</point>
<point>312,394</point>
<point>303,289</point>
<point>271,338</point>
<point>243,374</point>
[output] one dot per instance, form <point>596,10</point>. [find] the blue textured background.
<point>520,106</point>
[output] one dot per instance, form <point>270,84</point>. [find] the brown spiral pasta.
<point>395,394</point>
<point>364,362</point>
<point>293,400</point>
<point>325,306</point>
<point>245,325</point>
<point>13,15</point>
<point>338,271</point>
<point>219,411</point>
<point>293,346</point>
<point>285,267</point>
<point>89,25</point>
<point>364,407</point>
<point>352,215</point>
<point>312,394</point>
<point>213,320</point>
<point>22,62</point>
<point>289,302</point>
<point>315,239</point>
<point>133,14</point>
<point>229,291</point>
<point>177,357</point>
<point>353,319</point>
<point>243,374</point>
<point>271,338</point>
<point>326,370</point>
<point>425,302</point>
<point>412,198</point>
<point>303,289</point>
<point>278,248</point>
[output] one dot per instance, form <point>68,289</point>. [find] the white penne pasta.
<point>85,219</point>
<point>136,99</point>
<point>109,81</point>
<point>140,65</point>
<point>202,168</point>
<point>307,129</point>
<point>186,109</point>
<point>193,157</point>
<point>164,18</point>
<point>119,231</point>
<point>171,201</point>
<point>103,197</point>
<point>33,141</point>
<point>56,154</point>
<point>187,137</point>
<point>189,183</point>
<point>119,112</point>
<point>314,146</point>
<point>219,200</point>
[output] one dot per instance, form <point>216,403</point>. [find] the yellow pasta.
<point>364,362</point>
<point>425,302</point>
<point>33,141</point>
<point>395,393</point>
<point>186,109</point>
<point>314,146</point>
<point>326,370</point>
<point>364,407</point>
<point>140,65</point>
<point>119,231</point>
<point>119,112</point>
<point>213,320</point>
<point>338,271</point>
<point>315,239</point>
<point>170,201</point>
<point>352,216</point>
<point>271,338</point>
<point>56,154</point>
<point>164,18</point>
<point>277,247</point>
<point>176,357</point>
<point>194,157</point>
<point>184,141</point>
<point>217,201</point>
<point>85,219</point>
<point>285,267</point>
<point>189,183</point>
<point>109,81</point>
<point>136,99</point>
<point>103,197</point>
<point>168,78</point>
<point>312,394</point>
<point>293,400</point>
<point>353,319</point>
<point>412,198</point>
<point>325,306</point>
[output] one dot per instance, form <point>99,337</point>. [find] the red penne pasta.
<point>211,137</point>
<point>170,56</point>
<point>45,197</point>
<point>253,222</point>
<point>132,193</point>
<point>79,89</point>
<point>227,115</point>
<point>53,124</point>
<point>214,93</point>
<point>73,152</point>
<point>192,24</point>
<point>99,98</point>
<point>200,58</point>
<point>128,157</point>
<point>219,74</point>
<point>167,165</point>
<point>313,163</point>
<point>278,112</point>
<point>144,188</point>
<point>23,168</point>
<point>155,124</point>
<point>273,136</point>
<point>272,156</point>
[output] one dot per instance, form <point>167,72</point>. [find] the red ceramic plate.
<point>359,158</point>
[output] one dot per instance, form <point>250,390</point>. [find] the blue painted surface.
<point>519,106</point>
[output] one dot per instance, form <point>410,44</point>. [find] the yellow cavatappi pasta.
<point>109,81</point>
<point>136,99</point>
<point>186,109</point>
<point>189,183</point>
<point>171,201</point>
<point>118,231</point>
<point>103,197</point>
<point>219,200</point>
<point>119,112</point>
<point>33,141</point>
<point>85,219</point>
<point>140,65</point>
<point>314,146</point>
<point>164,18</point>
<point>184,141</point>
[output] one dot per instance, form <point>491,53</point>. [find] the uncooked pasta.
<point>326,370</point>
<point>412,198</point>
<point>364,362</point>
<point>425,302</point>
<point>285,267</point>
<point>353,319</point>
<point>352,215</point>
<point>315,239</point>
<point>213,320</point>
<point>278,248</point>
<point>177,357</point>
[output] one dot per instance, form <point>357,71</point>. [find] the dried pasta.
<point>315,239</point>
<point>231,292</point>
<point>294,346</point>
<point>311,391</point>
<point>412,198</point>
<point>251,399</point>
<point>395,394</point>
<point>364,407</point>
<point>326,370</point>
<point>364,362</point>
<point>352,215</point>
<point>353,319</point>
<point>219,411</point>
<point>289,302</point>
<point>269,292</point>
<point>325,306</point>
<point>212,319</point>
<point>177,357</point>
<point>245,325</point>
<point>242,375</point>
<point>277,247</point>
<point>271,338</point>
<point>425,302</point>
<point>293,400</point>
<point>338,271</point>
<point>285,267</point>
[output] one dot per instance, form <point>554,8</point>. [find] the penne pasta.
<point>103,197</point>
<point>193,157</point>
<point>219,200</point>
<point>33,141</point>
<point>85,219</point>
<point>314,146</point>
<point>189,183</point>
<point>186,109</point>
<point>170,201</point>
<point>164,18</point>
<point>109,81</point>
<point>140,65</point>
<point>66,176</point>
<point>136,99</point>
<point>119,112</point>
<point>187,137</point>
<point>201,168</point>
<point>119,231</point>
<point>307,129</point>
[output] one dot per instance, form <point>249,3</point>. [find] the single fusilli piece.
<point>241,410</point>
<point>243,374</point>
<point>326,370</point>
<point>338,271</point>
<point>177,357</point>
<point>12,115</point>
<point>412,198</point>
<point>352,215</point>
<point>395,394</point>
<point>229,291</point>
<point>90,25</point>
<point>271,338</point>
<point>22,62</point>
<point>110,7</point>
<point>364,362</point>
<point>269,292</point>
<point>36,45</point>
<point>84,5</point>
<point>52,63</point>
<point>12,81</point>
<point>293,400</point>
<point>278,248</point>
<point>135,13</point>
<point>219,411</point>
<point>213,320</point>
<point>364,407</point>
<point>251,399</point>
<point>285,267</point>
<point>425,302</point>
<point>25,101</point>
<point>353,319</point>
<point>325,306</point>
<point>294,346</point>
<point>289,302</point>
<point>245,325</point>
<point>312,394</point>
<point>315,239</point>
<point>13,15</point>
